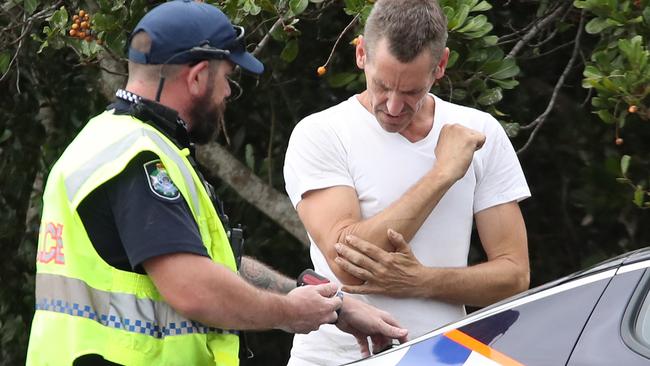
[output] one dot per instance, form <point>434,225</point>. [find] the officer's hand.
<point>455,149</point>
<point>363,321</point>
<point>307,307</point>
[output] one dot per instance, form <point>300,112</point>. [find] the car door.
<point>618,331</point>
<point>540,327</point>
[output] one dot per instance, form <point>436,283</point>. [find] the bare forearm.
<point>406,215</point>
<point>479,285</point>
<point>262,276</point>
<point>214,295</point>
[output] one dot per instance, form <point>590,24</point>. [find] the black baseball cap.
<point>184,31</point>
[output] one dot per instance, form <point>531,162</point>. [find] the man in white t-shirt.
<point>398,158</point>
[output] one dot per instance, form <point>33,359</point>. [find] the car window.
<point>643,322</point>
<point>636,322</point>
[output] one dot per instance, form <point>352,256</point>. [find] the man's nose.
<point>394,104</point>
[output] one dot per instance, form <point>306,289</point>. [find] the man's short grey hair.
<point>409,26</point>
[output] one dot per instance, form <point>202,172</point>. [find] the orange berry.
<point>86,17</point>
<point>321,70</point>
<point>75,26</point>
<point>84,25</point>
<point>81,13</point>
<point>81,34</point>
<point>618,141</point>
<point>632,109</point>
<point>355,41</point>
<point>72,33</point>
<point>75,18</point>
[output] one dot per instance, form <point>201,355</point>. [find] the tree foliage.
<point>568,81</point>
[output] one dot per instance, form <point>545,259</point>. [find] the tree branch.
<point>267,37</point>
<point>345,30</point>
<point>536,28</point>
<point>220,162</point>
<point>539,121</point>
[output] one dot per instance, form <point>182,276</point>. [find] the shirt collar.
<point>162,118</point>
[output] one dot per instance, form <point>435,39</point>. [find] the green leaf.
<point>625,164</point>
<point>59,18</point>
<point>638,196</point>
<point>290,51</point>
<point>506,84</point>
<point>459,94</point>
<point>490,40</point>
<point>453,57</point>
<point>592,72</point>
<point>459,18</point>
<point>482,6</point>
<point>104,22</point>
<point>490,96</point>
<point>341,79</point>
<point>597,25</point>
<point>483,30</point>
<point>5,59</point>
<point>512,129</point>
<point>606,116</point>
<point>298,6</point>
<point>30,6</point>
<point>250,157</point>
<point>507,69</point>
<point>646,15</point>
<point>474,24</point>
<point>6,134</point>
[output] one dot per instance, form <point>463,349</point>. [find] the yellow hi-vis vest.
<point>84,305</point>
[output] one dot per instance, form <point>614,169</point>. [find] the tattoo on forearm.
<point>261,276</point>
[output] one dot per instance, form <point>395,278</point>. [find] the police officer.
<point>134,264</point>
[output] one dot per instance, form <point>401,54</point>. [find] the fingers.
<point>370,250</point>
<point>397,240</point>
<point>389,328</point>
<point>362,341</point>
<point>380,343</point>
<point>353,269</point>
<point>327,289</point>
<point>356,257</point>
<point>364,289</point>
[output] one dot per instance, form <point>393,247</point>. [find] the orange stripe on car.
<point>478,347</point>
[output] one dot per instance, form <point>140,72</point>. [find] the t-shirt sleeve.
<point>500,178</point>
<point>315,158</point>
<point>151,216</point>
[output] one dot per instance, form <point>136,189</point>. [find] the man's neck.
<point>420,125</point>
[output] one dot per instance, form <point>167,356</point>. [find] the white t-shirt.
<point>345,145</point>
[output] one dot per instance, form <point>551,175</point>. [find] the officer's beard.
<point>206,118</point>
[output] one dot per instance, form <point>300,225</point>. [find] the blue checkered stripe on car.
<point>131,325</point>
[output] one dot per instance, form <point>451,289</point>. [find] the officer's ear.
<point>197,78</point>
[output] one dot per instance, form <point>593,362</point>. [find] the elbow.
<point>522,281</point>
<point>519,282</point>
<point>344,277</point>
<point>189,307</point>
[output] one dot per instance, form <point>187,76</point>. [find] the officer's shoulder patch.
<point>159,181</point>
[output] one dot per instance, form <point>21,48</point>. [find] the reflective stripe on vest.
<point>74,182</point>
<point>116,310</point>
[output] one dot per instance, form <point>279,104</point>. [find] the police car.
<point>599,316</point>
